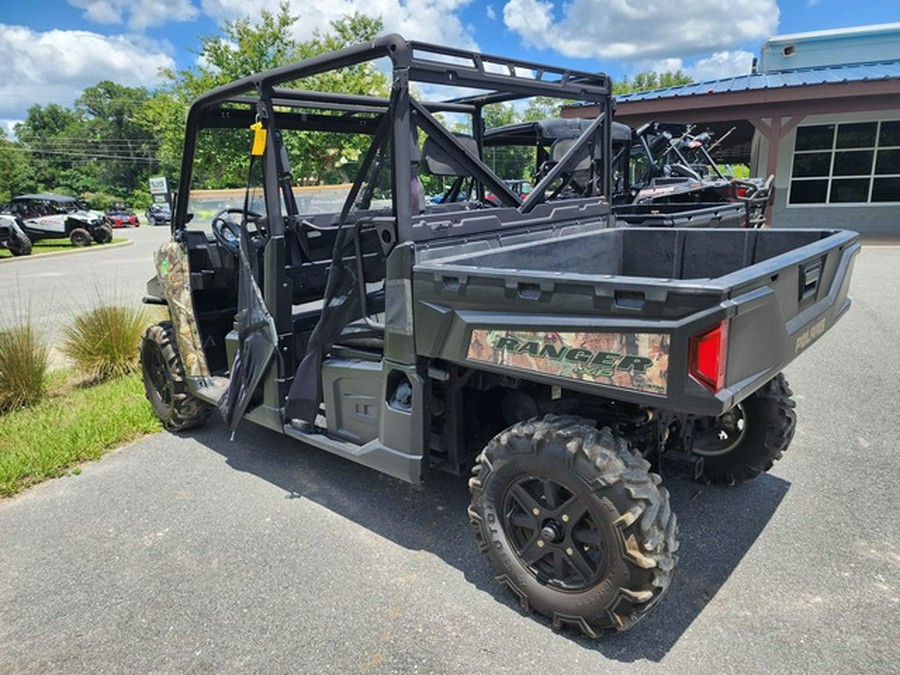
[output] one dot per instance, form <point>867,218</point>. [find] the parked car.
<point>122,217</point>
<point>12,237</point>
<point>159,214</point>
<point>51,216</point>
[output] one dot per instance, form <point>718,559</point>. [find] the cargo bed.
<point>616,312</point>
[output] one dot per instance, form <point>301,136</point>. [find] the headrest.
<point>561,147</point>
<point>440,163</point>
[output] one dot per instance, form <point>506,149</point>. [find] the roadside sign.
<point>159,189</point>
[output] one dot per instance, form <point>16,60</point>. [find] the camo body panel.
<point>638,361</point>
<point>174,272</point>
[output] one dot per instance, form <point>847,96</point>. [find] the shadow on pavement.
<point>717,525</point>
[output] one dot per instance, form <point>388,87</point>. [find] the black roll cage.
<point>268,98</point>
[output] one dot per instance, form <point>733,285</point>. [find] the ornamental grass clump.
<point>103,342</point>
<point>24,360</point>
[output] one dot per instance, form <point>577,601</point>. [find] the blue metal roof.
<point>793,78</point>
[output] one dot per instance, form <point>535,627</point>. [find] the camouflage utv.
<point>521,340</point>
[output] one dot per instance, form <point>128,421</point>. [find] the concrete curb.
<point>84,249</point>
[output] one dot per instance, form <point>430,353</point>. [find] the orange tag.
<point>259,139</point>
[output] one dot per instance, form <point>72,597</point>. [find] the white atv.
<point>12,237</point>
<point>49,216</point>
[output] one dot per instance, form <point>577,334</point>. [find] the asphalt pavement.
<point>195,553</point>
<point>49,290</point>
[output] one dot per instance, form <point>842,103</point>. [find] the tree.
<point>50,136</point>
<point>508,161</point>
<point>321,158</point>
<point>542,108</point>
<point>116,137</point>
<point>243,48</point>
<point>15,169</point>
<point>99,146</point>
<point>648,80</point>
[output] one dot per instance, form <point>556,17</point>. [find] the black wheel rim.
<point>722,434</point>
<point>554,534</point>
<point>159,375</point>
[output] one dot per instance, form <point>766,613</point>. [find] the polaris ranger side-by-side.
<point>523,339</point>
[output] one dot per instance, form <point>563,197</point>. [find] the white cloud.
<point>54,67</point>
<point>8,127</point>
<point>141,13</point>
<point>424,20</point>
<point>721,65</point>
<point>640,29</point>
<point>715,67</point>
<point>491,12</point>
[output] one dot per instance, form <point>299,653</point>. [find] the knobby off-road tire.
<point>164,382</point>
<point>747,440</point>
<point>609,536</point>
<point>103,234</point>
<point>19,244</point>
<point>80,237</point>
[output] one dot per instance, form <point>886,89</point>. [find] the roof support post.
<point>774,131</point>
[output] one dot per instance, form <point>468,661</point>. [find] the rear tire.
<point>80,237</point>
<point>103,234</point>
<point>164,382</point>
<point>19,244</point>
<point>573,523</point>
<point>747,440</point>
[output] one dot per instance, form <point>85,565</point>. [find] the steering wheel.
<point>228,233</point>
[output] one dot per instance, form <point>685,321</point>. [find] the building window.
<point>846,163</point>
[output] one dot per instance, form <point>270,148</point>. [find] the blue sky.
<point>54,48</point>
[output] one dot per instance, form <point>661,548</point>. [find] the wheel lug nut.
<point>570,551</point>
<point>540,543</point>
<point>536,511</point>
<point>565,518</point>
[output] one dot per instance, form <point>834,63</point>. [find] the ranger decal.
<point>637,361</point>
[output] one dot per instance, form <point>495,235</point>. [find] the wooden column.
<point>774,131</point>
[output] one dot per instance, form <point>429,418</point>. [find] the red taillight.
<point>729,193</point>
<point>742,192</point>
<point>708,353</point>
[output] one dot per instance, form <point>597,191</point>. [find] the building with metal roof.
<point>821,113</point>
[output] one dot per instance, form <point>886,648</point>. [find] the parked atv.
<point>559,361</point>
<point>536,146</point>
<point>50,216</point>
<point>12,237</point>
<point>670,164</point>
<point>159,214</point>
<point>122,217</point>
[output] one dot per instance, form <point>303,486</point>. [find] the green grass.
<point>56,245</point>
<point>24,361</point>
<point>75,423</point>
<point>103,342</point>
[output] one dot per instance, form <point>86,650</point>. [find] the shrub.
<point>103,342</point>
<point>24,359</point>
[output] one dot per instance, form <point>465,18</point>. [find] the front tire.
<point>103,234</point>
<point>573,523</point>
<point>164,381</point>
<point>80,237</point>
<point>19,244</point>
<point>747,440</point>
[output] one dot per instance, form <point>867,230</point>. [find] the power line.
<point>88,155</point>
